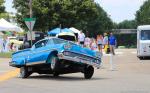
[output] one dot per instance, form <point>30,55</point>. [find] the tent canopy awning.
<point>56,31</point>
<point>6,26</point>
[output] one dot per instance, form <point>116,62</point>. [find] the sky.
<point>118,10</point>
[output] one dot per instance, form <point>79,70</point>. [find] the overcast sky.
<point>118,10</point>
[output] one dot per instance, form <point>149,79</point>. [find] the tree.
<point>143,14</point>
<point>127,24</point>
<point>2,9</point>
<point>81,14</point>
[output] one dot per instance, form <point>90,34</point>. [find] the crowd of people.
<point>106,42</point>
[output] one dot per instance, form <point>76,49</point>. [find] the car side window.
<point>50,42</point>
<point>41,44</point>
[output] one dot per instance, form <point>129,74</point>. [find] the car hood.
<point>82,50</point>
<point>21,51</point>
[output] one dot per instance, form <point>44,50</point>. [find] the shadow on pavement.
<point>62,78</point>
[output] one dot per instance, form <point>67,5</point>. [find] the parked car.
<point>56,56</point>
<point>38,36</point>
<point>15,43</point>
<point>15,40</point>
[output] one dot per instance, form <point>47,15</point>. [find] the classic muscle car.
<point>56,56</point>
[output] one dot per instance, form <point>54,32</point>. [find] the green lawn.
<point>5,55</point>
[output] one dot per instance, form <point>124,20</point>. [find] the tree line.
<point>81,14</point>
<point>142,17</point>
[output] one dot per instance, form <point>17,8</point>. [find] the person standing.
<point>99,42</point>
<point>105,42</point>
<point>93,45</point>
<point>87,42</point>
<point>6,44</point>
<point>112,43</point>
<point>1,44</point>
<point>81,38</point>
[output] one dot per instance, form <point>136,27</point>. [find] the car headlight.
<point>67,46</point>
<point>98,54</point>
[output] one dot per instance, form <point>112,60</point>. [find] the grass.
<point>5,55</point>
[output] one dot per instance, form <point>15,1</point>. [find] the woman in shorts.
<point>100,42</point>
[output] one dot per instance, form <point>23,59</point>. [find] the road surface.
<point>130,75</point>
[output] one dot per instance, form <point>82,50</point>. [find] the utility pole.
<point>60,27</point>
<point>30,7</point>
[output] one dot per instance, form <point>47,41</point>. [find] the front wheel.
<point>55,64</point>
<point>88,72</point>
<point>24,73</point>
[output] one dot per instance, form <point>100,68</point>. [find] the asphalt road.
<point>130,75</point>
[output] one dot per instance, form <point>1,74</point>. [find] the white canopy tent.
<point>6,26</point>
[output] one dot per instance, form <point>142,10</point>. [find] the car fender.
<point>54,52</point>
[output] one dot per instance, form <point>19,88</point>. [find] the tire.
<point>55,74</point>
<point>24,72</point>
<point>141,58</point>
<point>55,64</point>
<point>88,72</point>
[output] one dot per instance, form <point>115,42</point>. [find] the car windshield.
<point>145,35</point>
<point>60,41</point>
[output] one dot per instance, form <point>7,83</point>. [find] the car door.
<point>37,54</point>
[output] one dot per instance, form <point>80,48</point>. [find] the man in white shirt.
<point>81,38</point>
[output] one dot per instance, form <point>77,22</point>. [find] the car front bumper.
<point>13,64</point>
<point>81,60</point>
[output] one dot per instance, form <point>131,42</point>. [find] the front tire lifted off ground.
<point>88,72</point>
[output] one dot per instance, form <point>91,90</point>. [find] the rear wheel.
<point>55,74</point>
<point>88,72</point>
<point>24,73</point>
<point>141,58</point>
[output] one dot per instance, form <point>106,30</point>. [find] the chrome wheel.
<point>53,63</point>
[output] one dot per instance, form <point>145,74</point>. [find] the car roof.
<point>47,38</point>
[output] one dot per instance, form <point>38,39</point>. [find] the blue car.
<point>56,56</point>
